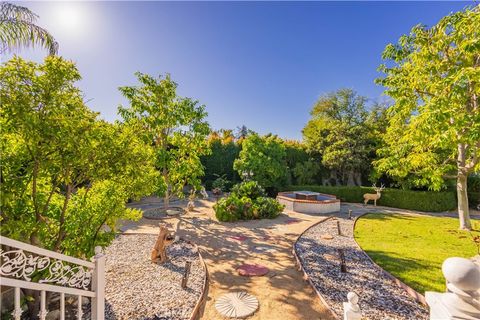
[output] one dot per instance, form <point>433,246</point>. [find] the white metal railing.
<point>63,274</point>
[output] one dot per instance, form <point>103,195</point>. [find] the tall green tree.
<point>295,155</point>
<point>174,126</point>
<point>433,75</point>
<point>18,29</point>
<point>262,159</point>
<point>338,131</point>
<point>65,174</point>
<point>219,163</point>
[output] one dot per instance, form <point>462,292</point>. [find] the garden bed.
<point>380,297</point>
<point>136,288</point>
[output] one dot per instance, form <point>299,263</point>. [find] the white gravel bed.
<point>380,297</point>
<point>136,288</point>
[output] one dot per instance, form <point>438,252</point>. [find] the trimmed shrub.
<point>247,201</point>
<point>249,189</point>
<point>267,208</point>
<point>396,198</point>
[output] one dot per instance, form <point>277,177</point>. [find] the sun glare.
<point>70,18</point>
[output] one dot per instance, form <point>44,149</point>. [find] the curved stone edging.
<point>305,275</point>
<point>409,290</point>
<point>203,296</point>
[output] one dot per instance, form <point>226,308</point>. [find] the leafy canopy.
<point>263,159</point>
<point>65,173</point>
<point>433,75</point>
<point>173,125</point>
<point>342,131</point>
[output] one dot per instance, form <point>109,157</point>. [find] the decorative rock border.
<point>199,284</point>
<point>305,275</point>
<point>382,299</point>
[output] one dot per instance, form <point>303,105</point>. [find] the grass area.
<point>413,248</point>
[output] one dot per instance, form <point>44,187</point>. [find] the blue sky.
<point>261,64</point>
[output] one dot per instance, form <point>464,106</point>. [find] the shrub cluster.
<point>396,198</point>
<point>247,201</point>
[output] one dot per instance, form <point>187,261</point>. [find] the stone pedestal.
<point>462,301</point>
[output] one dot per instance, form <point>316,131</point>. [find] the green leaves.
<point>343,132</point>
<point>434,80</point>
<point>66,174</point>
<point>174,126</point>
<point>264,158</point>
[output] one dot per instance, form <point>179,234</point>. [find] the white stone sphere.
<point>462,273</point>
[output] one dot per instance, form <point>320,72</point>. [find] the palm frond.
<point>12,11</point>
<point>18,29</point>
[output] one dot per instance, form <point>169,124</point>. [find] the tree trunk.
<point>350,178</point>
<point>166,200</point>
<point>463,213</point>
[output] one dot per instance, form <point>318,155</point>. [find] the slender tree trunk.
<point>166,198</point>
<point>462,197</point>
<point>463,213</point>
<point>350,178</point>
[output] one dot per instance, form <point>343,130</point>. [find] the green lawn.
<point>413,248</point>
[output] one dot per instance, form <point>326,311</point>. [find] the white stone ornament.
<point>351,309</point>
<point>462,301</point>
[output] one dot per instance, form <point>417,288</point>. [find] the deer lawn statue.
<point>373,196</point>
<point>159,254</point>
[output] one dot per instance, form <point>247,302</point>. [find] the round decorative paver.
<point>236,304</point>
<point>238,238</point>
<point>250,270</point>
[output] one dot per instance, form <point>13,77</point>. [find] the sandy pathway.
<point>282,293</point>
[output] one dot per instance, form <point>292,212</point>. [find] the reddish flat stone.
<point>250,270</point>
<point>326,237</point>
<point>238,238</point>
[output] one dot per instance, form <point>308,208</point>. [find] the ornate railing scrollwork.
<point>18,264</point>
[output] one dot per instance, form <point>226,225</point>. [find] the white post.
<point>98,285</point>
<point>43,309</point>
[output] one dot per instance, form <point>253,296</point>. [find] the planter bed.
<point>380,297</point>
<point>136,288</point>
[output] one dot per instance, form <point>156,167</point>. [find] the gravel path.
<point>136,288</point>
<point>282,294</point>
<point>380,298</point>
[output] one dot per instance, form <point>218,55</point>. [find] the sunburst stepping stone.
<point>250,270</point>
<point>236,304</point>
